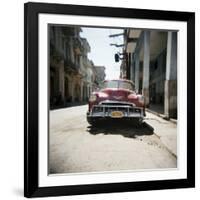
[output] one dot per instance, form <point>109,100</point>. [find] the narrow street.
<point>75,146</point>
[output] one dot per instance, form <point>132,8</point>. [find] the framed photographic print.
<point>109,99</point>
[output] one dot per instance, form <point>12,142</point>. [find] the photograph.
<point>112,99</point>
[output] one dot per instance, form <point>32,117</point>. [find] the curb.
<point>162,116</point>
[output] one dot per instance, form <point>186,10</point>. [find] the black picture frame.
<point>31,169</point>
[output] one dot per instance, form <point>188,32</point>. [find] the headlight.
<point>93,97</point>
<point>141,99</point>
<point>102,95</point>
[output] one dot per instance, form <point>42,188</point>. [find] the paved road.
<point>75,146</point>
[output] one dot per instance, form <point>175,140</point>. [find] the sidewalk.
<point>165,130</point>
<point>159,111</point>
<point>157,108</point>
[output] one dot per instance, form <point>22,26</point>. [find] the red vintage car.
<point>116,99</point>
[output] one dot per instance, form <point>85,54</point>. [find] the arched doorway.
<point>67,96</point>
<point>77,93</point>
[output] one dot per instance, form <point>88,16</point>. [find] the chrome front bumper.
<point>105,111</point>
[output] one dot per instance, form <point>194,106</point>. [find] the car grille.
<point>108,109</point>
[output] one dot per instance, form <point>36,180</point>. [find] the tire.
<point>91,121</point>
<point>137,122</point>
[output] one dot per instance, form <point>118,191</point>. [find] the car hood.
<point>116,94</point>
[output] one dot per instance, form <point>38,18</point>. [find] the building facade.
<point>151,63</point>
<point>71,73</point>
<point>100,75</point>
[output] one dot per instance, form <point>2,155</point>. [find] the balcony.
<point>78,46</point>
<point>69,65</point>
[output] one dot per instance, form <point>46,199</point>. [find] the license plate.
<point>117,114</point>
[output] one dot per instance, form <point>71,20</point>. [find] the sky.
<point>102,53</point>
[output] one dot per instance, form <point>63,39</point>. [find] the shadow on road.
<point>121,128</point>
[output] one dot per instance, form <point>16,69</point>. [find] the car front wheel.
<point>91,121</point>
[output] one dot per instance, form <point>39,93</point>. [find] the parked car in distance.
<point>116,100</point>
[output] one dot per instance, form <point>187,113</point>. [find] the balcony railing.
<point>69,64</point>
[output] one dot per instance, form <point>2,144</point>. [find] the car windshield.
<point>118,84</point>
